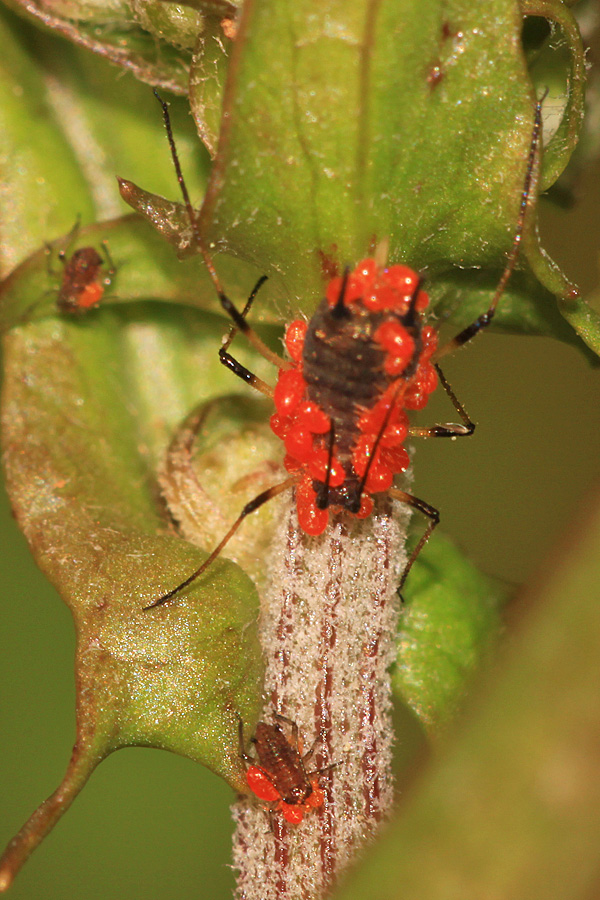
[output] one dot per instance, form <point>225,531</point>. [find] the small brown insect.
<point>82,285</point>
<point>280,778</point>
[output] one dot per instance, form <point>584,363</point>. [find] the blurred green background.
<point>150,824</point>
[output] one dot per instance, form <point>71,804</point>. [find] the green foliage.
<point>451,618</point>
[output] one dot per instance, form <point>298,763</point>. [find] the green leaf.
<point>126,34</point>
<point>511,808</point>
<point>398,121</point>
<point>310,177</point>
<point>178,677</point>
<point>451,620</point>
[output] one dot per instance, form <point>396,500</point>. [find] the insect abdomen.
<point>343,369</point>
<point>282,762</point>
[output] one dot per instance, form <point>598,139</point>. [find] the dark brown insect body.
<point>343,367</point>
<point>361,361</point>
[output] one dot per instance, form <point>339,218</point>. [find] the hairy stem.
<point>329,620</point>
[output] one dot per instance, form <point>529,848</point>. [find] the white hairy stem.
<point>328,627</point>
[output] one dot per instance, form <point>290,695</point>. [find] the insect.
<point>83,283</point>
<point>280,777</point>
<point>365,358</point>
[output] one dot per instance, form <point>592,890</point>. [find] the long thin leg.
<point>309,755</point>
<point>245,374</point>
<point>449,429</point>
<point>226,303</point>
<point>484,320</point>
<point>232,363</point>
<point>375,447</point>
<point>432,514</point>
<point>233,330</point>
<point>250,507</point>
<point>238,319</point>
<point>411,313</point>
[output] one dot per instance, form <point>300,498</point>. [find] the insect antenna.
<point>239,323</point>
<point>228,306</point>
<point>176,163</point>
<point>340,310</point>
<point>462,338</point>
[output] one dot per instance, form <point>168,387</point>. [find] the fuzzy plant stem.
<point>328,627</point>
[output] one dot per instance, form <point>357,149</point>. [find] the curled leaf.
<point>126,33</point>
<point>178,677</point>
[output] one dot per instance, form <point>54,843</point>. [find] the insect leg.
<point>250,507</point>
<point>245,374</point>
<point>226,303</point>
<point>293,725</point>
<point>323,770</point>
<point>245,756</point>
<point>111,265</point>
<point>231,363</point>
<point>233,330</point>
<point>484,320</point>
<point>308,756</point>
<point>450,429</point>
<point>322,498</point>
<point>376,443</point>
<point>429,511</point>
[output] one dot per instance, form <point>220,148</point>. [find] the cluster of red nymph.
<point>262,785</point>
<point>390,302</point>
